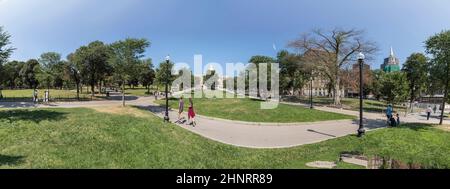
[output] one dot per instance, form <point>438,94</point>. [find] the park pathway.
<point>244,134</point>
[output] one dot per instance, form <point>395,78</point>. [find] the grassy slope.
<point>250,110</point>
<point>84,138</point>
<point>54,93</point>
<point>349,103</point>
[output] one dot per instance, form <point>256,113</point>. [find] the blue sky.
<point>221,30</point>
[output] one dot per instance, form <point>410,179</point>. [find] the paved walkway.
<point>249,134</point>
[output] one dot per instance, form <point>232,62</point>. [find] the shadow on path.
<point>31,115</point>
<point>372,123</point>
<point>17,105</point>
<point>313,131</point>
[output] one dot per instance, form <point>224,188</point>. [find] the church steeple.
<point>391,63</point>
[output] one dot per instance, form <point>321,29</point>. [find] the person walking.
<point>180,109</point>
<point>389,112</point>
<point>191,113</point>
<point>435,109</point>
<point>429,110</point>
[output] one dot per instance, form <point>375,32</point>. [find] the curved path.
<point>245,134</point>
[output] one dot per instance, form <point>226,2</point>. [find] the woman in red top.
<point>191,112</point>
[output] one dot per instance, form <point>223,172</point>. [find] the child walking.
<point>191,113</point>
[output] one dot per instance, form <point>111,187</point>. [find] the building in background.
<point>391,63</point>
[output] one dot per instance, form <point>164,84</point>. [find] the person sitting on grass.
<point>393,121</point>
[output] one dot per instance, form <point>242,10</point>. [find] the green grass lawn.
<point>141,91</point>
<point>54,93</point>
<point>349,103</point>
<point>85,138</point>
<point>250,110</point>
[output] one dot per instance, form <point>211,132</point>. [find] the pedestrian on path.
<point>191,113</point>
<point>180,109</point>
<point>429,110</point>
<point>389,112</point>
<point>435,109</point>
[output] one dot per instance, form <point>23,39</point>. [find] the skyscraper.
<point>391,64</point>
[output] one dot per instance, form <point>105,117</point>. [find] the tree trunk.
<point>123,94</point>
<point>78,91</point>
<point>337,92</point>
<point>92,89</point>
<point>444,101</point>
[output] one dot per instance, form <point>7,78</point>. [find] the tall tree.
<point>416,71</point>
<point>294,73</point>
<point>11,74</point>
<point>439,47</point>
<point>125,59</point>
<point>164,73</point>
<point>394,87</point>
<point>48,73</point>
<point>146,74</point>
<point>257,60</point>
<point>331,51</point>
<point>73,72</point>
<point>92,62</point>
<point>5,52</point>
<point>29,72</point>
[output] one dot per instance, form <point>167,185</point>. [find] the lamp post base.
<point>361,132</point>
<point>166,119</point>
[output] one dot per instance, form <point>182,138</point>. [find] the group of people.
<point>36,96</point>
<point>393,118</point>
<point>191,112</point>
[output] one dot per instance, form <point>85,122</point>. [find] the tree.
<point>164,73</point>
<point>439,47</point>
<point>394,87</point>
<point>376,84</point>
<point>415,68</point>
<point>5,52</point>
<point>29,72</point>
<point>125,59</point>
<point>49,73</point>
<point>11,74</point>
<point>257,60</point>
<point>146,74</point>
<point>73,73</point>
<point>294,73</point>
<point>331,51</point>
<point>92,62</point>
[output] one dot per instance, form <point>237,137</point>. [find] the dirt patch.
<point>119,110</point>
<point>444,127</point>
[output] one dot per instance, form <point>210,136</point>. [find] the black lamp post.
<point>166,117</point>
<point>310,92</point>
<point>361,129</point>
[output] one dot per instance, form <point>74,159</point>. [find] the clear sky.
<point>221,30</point>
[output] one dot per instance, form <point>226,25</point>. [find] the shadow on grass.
<point>11,160</point>
<point>31,115</point>
<point>416,126</point>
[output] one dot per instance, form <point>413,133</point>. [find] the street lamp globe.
<point>168,58</point>
<point>361,56</point>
